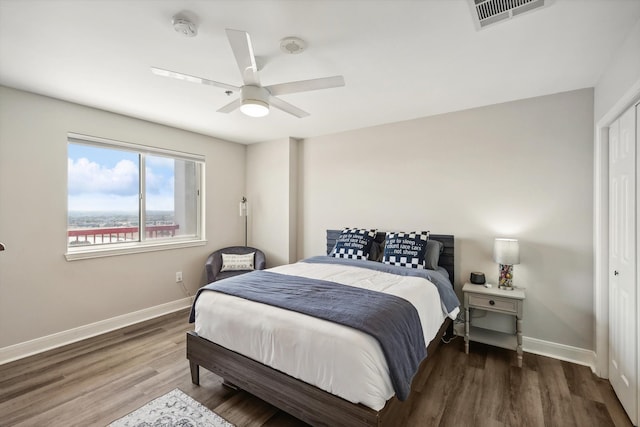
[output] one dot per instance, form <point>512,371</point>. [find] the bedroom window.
<point>127,198</point>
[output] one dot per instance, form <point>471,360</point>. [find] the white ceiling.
<point>400,59</point>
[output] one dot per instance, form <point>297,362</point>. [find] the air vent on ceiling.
<point>488,12</point>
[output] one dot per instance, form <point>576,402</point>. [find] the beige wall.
<point>272,197</point>
<point>620,75</point>
<point>40,292</point>
<point>521,169</point>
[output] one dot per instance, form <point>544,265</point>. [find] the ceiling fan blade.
<point>287,108</point>
<point>243,51</point>
<point>305,85</point>
<point>230,106</point>
<point>192,79</point>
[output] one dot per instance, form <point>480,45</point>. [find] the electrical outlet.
<point>178,276</point>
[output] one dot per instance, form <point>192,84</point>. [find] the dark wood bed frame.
<point>304,401</point>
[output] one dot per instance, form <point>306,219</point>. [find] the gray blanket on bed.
<point>448,297</point>
<point>392,320</point>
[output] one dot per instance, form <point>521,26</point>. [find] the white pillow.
<point>235,262</point>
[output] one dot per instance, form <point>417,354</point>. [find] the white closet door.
<point>623,333</point>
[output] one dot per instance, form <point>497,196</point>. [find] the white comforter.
<point>338,359</point>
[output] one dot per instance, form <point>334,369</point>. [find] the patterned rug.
<point>174,409</point>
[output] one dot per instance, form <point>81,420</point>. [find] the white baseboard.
<point>554,350</point>
<point>564,352</point>
<point>38,345</point>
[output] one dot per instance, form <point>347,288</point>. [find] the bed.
<point>317,405</point>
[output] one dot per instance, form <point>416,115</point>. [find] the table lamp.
<point>506,252</point>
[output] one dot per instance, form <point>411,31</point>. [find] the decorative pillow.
<point>406,249</point>
<point>432,256</point>
<point>235,262</point>
<point>354,243</point>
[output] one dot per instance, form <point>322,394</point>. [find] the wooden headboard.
<point>446,258</point>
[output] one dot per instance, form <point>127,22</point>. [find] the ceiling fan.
<point>256,99</point>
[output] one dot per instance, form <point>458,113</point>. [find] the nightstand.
<point>498,301</point>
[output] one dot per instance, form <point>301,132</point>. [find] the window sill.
<point>90,252</point>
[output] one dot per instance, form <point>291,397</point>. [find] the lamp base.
<point>505,277</point>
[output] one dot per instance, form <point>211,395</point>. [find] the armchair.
<point>214,262</point>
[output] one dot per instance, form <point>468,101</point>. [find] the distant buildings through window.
<point>111,202</point>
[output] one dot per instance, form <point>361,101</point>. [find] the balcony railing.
<point>88,236</point>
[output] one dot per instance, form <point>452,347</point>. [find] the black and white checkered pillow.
<point>354,243</point>
<point>406,249</point>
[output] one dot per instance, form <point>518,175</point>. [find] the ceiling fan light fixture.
<point>254,108</point>
<point>255,101</point>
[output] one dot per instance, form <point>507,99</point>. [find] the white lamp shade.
<point>506,251</point>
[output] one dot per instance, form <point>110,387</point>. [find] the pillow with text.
<point>235,262</point>
<point>354,243</point>
<point>406,249</point>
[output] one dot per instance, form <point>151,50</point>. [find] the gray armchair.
<point>214,262</point>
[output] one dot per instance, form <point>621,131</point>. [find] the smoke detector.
<point>292,45</point>
<point>184,26</point>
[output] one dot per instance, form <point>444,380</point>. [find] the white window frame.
<point>98,251</point>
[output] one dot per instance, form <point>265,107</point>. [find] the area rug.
<point>172,410</point>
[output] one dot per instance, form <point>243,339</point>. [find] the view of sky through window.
<point>107,179</point>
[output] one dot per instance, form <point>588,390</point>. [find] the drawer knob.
<point>492,302</point>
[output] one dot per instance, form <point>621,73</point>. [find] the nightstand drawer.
<point>493,303</point>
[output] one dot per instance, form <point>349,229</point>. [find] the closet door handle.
<point>615,272</point>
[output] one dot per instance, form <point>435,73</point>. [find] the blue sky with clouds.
<point>105,179</point>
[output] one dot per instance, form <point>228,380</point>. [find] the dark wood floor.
<point>101,379</point>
